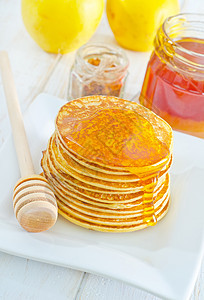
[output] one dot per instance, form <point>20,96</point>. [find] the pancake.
<point>94,208</point>
<point>107,131</point>
<point>69,174</point>
<point>67,162</point>
<point>108,164</point>
<point>114,220</point>
<point>102,188</point>
<point>106,228</point>
<point>104,202</point>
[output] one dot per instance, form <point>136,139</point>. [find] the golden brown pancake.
<point>108,162</point>
<point>114,132</point>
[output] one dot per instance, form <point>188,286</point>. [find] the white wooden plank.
<point>101,288</point>
<point>198,293</point>
<point>26,279</point>
<point>58,81</point>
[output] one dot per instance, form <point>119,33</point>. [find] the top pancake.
<point>114,132</point>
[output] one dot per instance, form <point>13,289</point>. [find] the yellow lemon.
<point>135,22</point>
<point>61,26</point>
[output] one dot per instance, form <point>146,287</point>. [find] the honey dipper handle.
<point>16,120</point>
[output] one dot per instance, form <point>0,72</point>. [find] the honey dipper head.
<point>34,204</point>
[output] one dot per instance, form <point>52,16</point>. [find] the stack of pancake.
<point>108,163</point>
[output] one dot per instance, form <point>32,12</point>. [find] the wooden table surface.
<point>36,71</point>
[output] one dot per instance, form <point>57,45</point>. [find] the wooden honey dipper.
<point>34,203</point>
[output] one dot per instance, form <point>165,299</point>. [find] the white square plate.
<point>164,259</point>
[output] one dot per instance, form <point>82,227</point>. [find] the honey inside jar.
<point>174,83</point>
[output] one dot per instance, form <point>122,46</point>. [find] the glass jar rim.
<point>80,55</point>
<point>190,19</point>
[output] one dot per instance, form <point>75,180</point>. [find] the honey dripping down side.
<point>148,203</point>
<point>149,199</point>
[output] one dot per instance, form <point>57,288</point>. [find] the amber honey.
<point>174,82</point>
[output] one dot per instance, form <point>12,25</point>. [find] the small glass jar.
<point>98,70</point>
<point>174,82</point>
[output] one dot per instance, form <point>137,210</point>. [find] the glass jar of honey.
<point>98,70</point>
<point>174,82</point>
